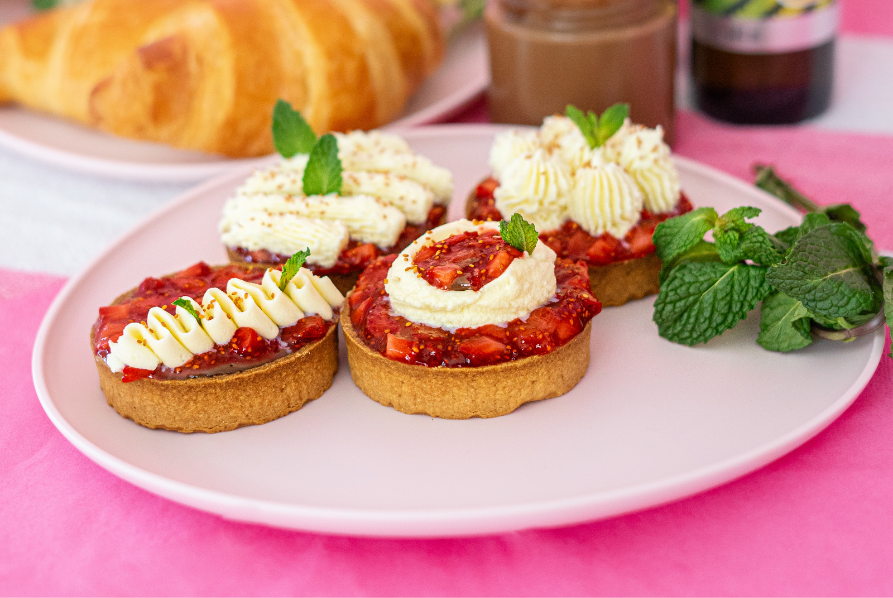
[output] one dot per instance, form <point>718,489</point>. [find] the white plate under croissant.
<point>461,76</point>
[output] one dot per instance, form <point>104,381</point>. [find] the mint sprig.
<point>519,233</point>
<point>323,172</point>
<point>701,300</point>
<point>291,267</point>
<point>291,133</point>
<point>822,273</point>
<point>186,304</point>
<point>784,323</point>
<point>597,130</point>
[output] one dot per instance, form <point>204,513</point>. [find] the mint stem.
<point>768,181</point>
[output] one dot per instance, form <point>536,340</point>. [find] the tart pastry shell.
<point>226,401</point>
<point>463,393</point>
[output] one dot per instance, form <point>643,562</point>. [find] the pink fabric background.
<point>816,522</point>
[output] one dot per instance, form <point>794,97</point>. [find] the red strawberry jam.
<point>245,350</point>
<point>464,261</point>
<point>572,241</point>
<point>546,329</point>
<point>356,255</point>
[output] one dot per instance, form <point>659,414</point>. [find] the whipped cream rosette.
<point>384,195</point>
<point>594,187</point>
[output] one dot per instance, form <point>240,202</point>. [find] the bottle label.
<point>764,26</point>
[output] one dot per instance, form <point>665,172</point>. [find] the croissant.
<point>205,74</point>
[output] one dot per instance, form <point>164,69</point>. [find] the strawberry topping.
<point>546,329</point>
<point>572,241</point>
<point>246,348</point>
<point>465,261</point>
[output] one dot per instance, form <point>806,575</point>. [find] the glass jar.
<point>763,62</point>
<point>546,54</point>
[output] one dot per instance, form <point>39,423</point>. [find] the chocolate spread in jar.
<point>546,54</point>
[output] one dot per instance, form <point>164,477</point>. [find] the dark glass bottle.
<point>763,61</point>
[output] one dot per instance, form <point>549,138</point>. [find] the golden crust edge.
<point>463,393</point>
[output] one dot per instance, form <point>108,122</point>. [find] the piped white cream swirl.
<point>644,155</point>
<point>605,198</point>
<point>377,166</point>
<point>173,339</point>
<point>537,187</point>
<point>527,283</point>
<point>599,201</point>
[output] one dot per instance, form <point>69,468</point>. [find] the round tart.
<point>384,197</point>
<point>595,205</point>
<point>463,325</point>
<point>233,351</point>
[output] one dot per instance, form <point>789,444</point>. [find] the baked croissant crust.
<point>205,74</point>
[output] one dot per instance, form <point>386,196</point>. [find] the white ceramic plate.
<point>649,423</point>
<point>463,75</point>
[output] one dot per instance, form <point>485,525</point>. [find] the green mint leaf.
<point>755,245</point>
<point>186,304</point>
<point>675,236</point>
<point>888,300</point>
<point>610,122</point>
<point>291,267</point>
<point>586,126</point>
<point>699,301</point>
<point>844,212</point>
<point>784,323</point>
<point>44,4</point>
<point>519,233</point>
<point>702,251</point>
<point>829,270</point>
<point>885,261</point>
<point>323,172</point>
<point>791,235</point>
<point>735,219</point>
<point>291,133</point>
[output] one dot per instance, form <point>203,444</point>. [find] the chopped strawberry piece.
<point>149,285</point>
<point>604,250</point>
<point>486,189</point>
<point>492,331</point>
<point>481,350</point>
<point>566,330</point>
<point>131,374</point>
<point>309,328</point>
<point>115,312</point>
<point>426,252</point>
<point>498,264</point>
<point>200,269</point>
<point>359,314</point>
<point>400,349</point>
<point>640,240</point>
<point>579,244</point>
<point>543,319</point>
<point>442,275</point>
<point>360,255</point>
<point>246,341</point>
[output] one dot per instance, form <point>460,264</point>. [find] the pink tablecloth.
<point>818,521</point>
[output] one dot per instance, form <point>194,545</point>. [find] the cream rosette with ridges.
<point>537,187</point>
<point>527,283</point>
<point>375,186</point>
<point>643,153</point>
<point>604,198</point>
